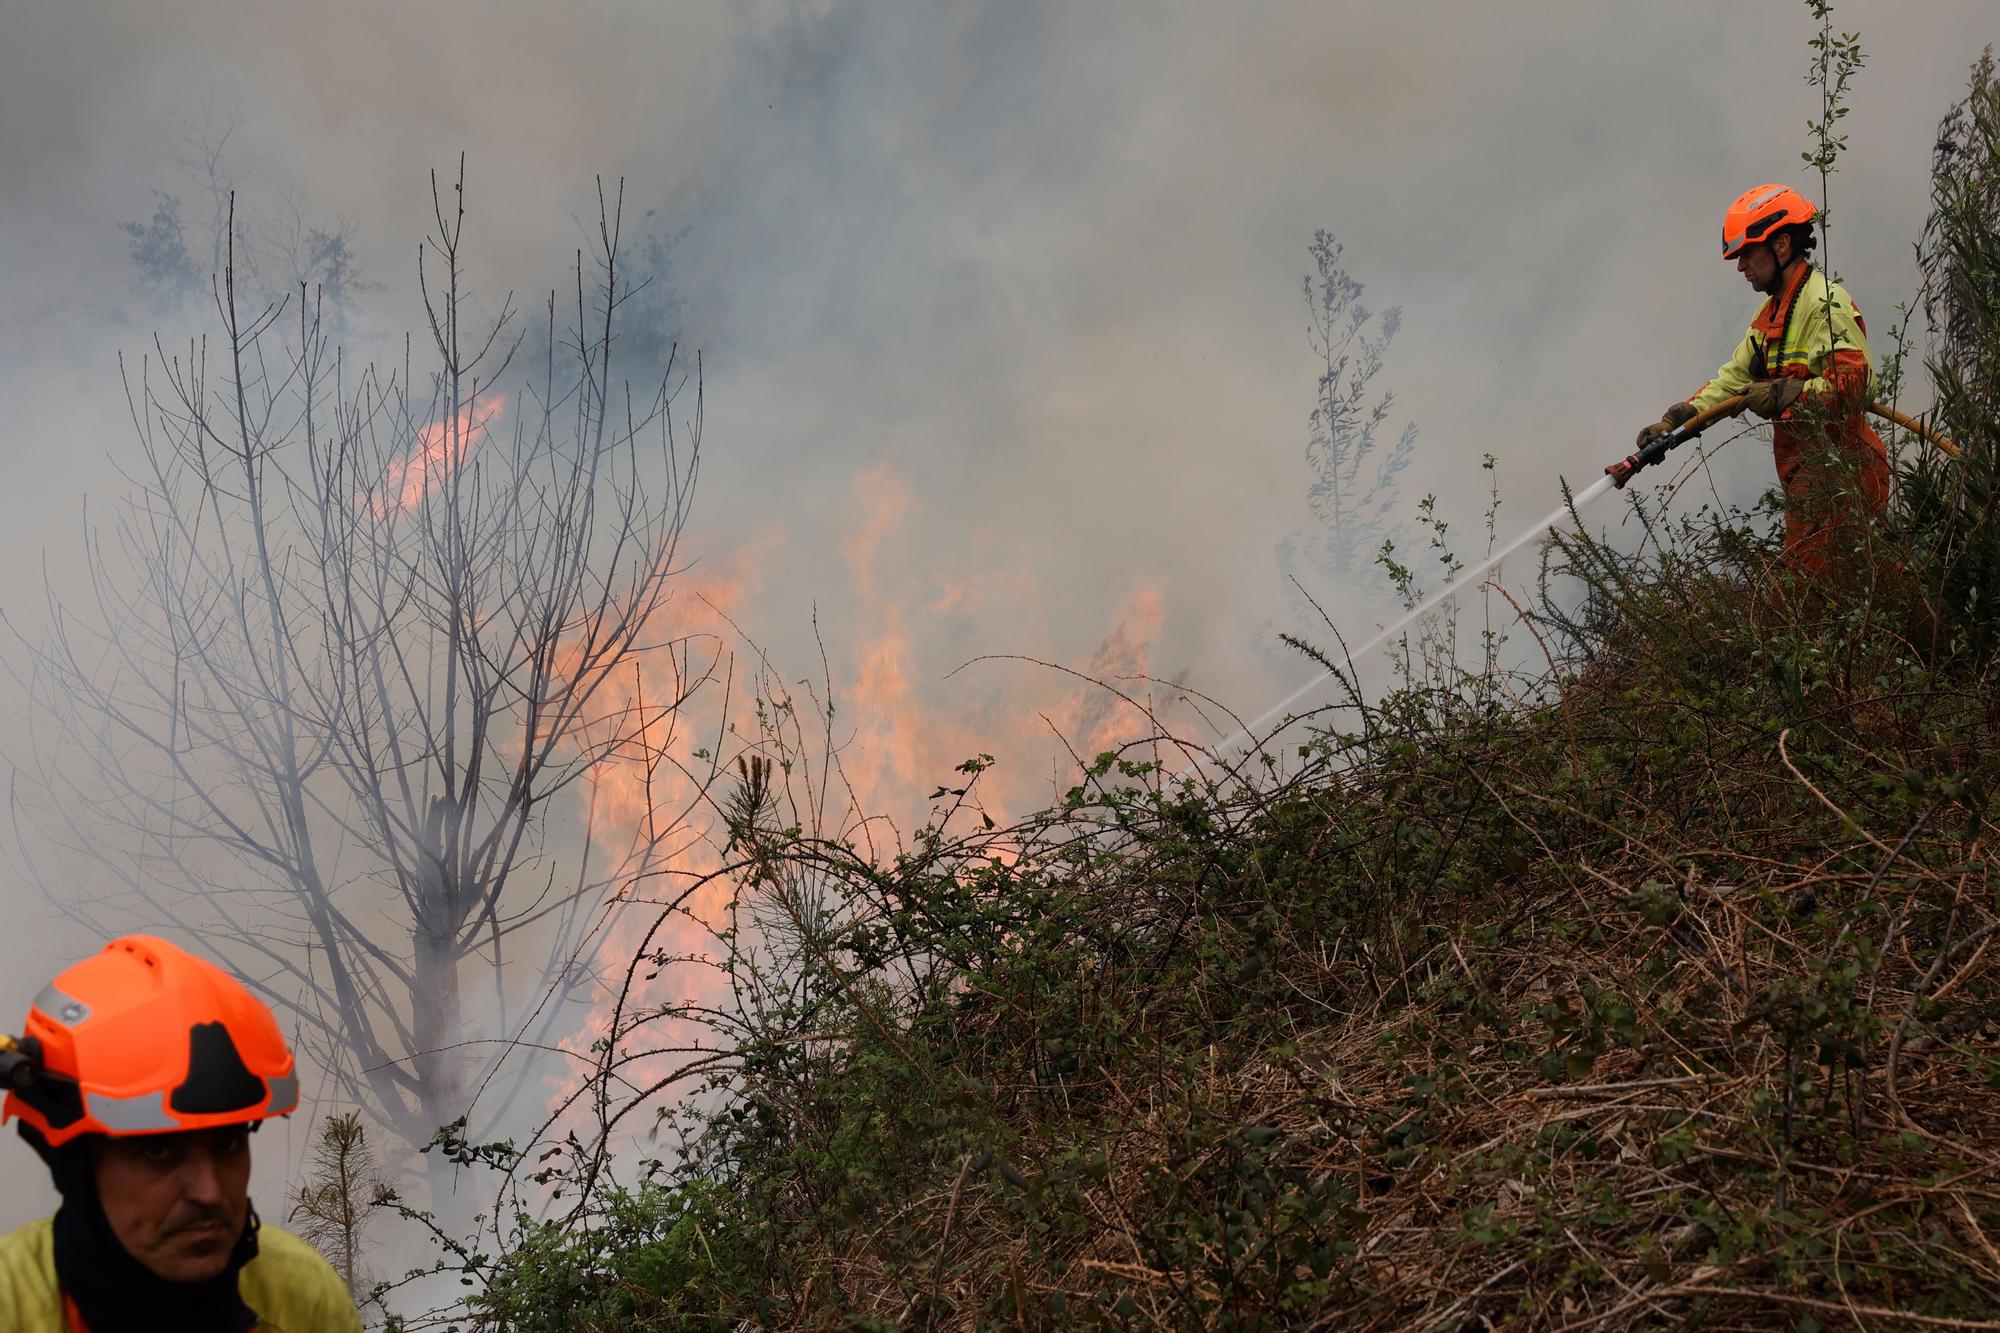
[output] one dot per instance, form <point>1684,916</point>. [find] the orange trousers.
<point>1820,480</point>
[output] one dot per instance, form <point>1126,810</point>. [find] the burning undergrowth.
<point>1669,998</point>
<point>875,767</point>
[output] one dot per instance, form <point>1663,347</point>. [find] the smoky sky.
<point>1029,270</point>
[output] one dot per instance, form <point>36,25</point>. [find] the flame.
<point>671,757</point>
<point>1094,720</point>
<point>648,809</point>
<point>900,727</point>
<point>894,738</point>
<point>441,449</point>
<point>912,726</point>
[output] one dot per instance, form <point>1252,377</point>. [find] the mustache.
<point>196,1215</point>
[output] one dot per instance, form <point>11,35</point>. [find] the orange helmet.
<point>1760,211</point>
<point>146,1038</point>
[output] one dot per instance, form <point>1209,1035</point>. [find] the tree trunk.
<point>438,1027</point>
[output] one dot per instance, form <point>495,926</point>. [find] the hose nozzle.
<point>1669,435</point>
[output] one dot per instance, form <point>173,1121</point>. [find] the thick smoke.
<point>1035,264</point>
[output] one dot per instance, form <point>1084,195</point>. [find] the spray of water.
<point>1468,578</point>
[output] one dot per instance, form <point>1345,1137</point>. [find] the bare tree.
<point>344,1182</point>
<point>335,700</point>
<point>1355,486</point>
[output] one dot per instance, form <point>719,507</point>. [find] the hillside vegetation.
<point>1657,989</point>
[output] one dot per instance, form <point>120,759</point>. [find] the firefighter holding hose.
<point>1804,366</point>
<point>142,1073</point>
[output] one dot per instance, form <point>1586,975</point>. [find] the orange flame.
<point>901,727</point>
<point>649,804</point>
<point>441,449</point>
<point>911,726</point>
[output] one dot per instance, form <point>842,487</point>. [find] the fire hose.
<point>1675,436</point>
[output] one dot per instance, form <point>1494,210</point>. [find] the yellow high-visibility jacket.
<point>1812,331</point>
<point>1792,337</point>
<point>1808,342</point>
<point>290,1286</point>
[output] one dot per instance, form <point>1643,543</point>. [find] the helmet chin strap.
<point>1778,282</point>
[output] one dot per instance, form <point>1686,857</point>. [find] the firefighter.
<point>1804,366</point>
<point>142,1073</point>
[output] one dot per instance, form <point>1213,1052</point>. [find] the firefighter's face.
<point>177,1202</point>
<point>1761,265</point>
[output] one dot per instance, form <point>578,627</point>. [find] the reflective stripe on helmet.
<point>284,1095</point>
<point>143,1114</point>
<point>65,1009</point>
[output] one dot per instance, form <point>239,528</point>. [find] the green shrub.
<point>1951,507</point>
<point>648,1257</point>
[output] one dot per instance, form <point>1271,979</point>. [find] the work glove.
<point>1670,420</point>
<point>1769,398</point>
